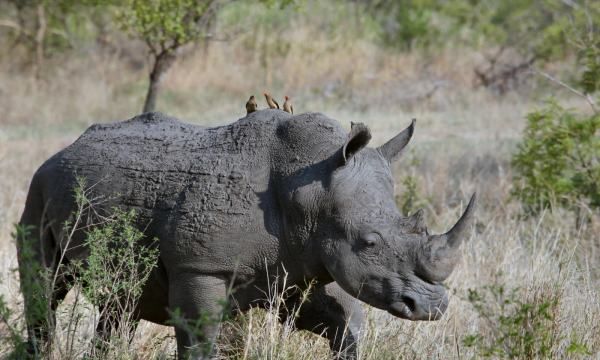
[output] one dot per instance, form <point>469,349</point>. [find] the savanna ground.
<point>524,284</point>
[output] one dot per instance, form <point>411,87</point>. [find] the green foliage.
<point>577,348</point>
<point>519,329</point>
<point>587,41</point>
<point>533,27</point>
<point>513,34</point>
<point>165,24</point>
<point>411,199</point>
<point>14,339</point>
<point>558,161</point>
<point>407,23</point>
<point>50,26</point>
<point>118,264</point>
<point>590,59</point>
<point>36,286</point>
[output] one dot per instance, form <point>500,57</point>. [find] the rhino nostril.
<point>410,303</point>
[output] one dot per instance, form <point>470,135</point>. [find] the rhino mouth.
<point>407,309</point>
<point>401,310</point>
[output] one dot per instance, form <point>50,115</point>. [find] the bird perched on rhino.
<point>251,105</point>
<point>270,101</point>
<point>287,105</point>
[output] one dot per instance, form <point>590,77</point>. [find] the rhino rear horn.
<point>392,149</point>
<point>416,221</point>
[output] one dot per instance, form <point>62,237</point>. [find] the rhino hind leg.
<point>197,305</point>
<point>43,285</point>
<point>335,315</point>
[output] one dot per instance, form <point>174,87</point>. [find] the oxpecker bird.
<point>251,105</point>
<point>271,102</point>
<point>287,105</point>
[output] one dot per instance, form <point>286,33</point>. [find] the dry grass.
<point>462,144</point>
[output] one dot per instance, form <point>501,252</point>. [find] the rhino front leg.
<point>334,314</point>
<point>197,304</point>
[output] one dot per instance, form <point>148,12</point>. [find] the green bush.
<point>532,27</point>
<point>405,24</point>
<point>118,264</point>
<point>48,27</point>
<point>36,286</point>
<point>558,161</point>
<point>113,278</point>
<point>522,329</point>
<point>411,198</point>
<point>589,62</point>
<point>14,338</point>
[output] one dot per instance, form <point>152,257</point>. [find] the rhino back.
<point>172,173</point>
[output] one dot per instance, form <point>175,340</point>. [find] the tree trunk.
<point>39,39</point>
<point>162,63</point>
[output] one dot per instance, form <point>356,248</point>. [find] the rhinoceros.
<point>232,206</point>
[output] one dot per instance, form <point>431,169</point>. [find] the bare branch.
<point>150,45</point>
<point>224,37</point>
<point>12,25</point>
<point>587,97</point>
<point>571,3</point>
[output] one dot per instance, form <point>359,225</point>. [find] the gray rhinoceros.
<point>234,205</point>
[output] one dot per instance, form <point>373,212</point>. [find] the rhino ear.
<point>392,149</point>
<point>359,137</point>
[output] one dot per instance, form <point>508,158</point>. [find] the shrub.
<point>558,161</point>
<point>519,328</point>
<point>113,278</point>
<point>113,275</point>
<point>120,261</point>
<point>36,284</point>
<point>13,338</point>
<point>412,198</point>
<point>406,24</point>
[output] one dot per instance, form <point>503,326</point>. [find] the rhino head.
<point>373,252</point>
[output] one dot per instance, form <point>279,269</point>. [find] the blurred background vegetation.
<point>510,37</point>
<point>349,56</point>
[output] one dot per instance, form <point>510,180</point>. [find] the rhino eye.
<point>372,239</point>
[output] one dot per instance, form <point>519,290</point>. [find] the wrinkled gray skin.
<point>237,205</point>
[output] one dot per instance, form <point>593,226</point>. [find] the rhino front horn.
<point>439,253</point>
<point>454,236</point>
